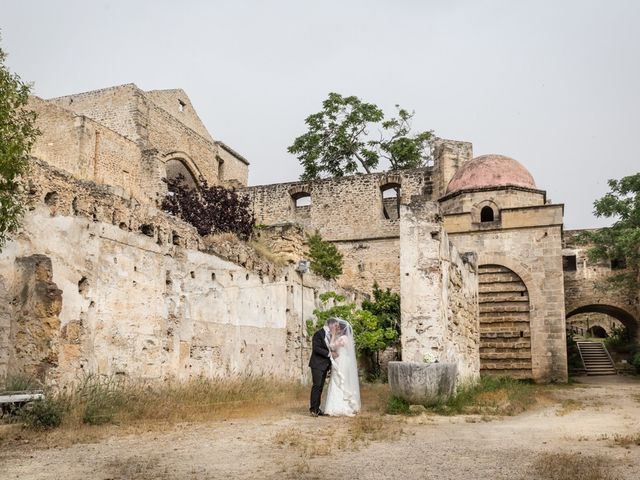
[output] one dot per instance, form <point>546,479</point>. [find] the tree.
<point>622,239</point>
<point>338,142</point>
<point>17,135</point>
<point>371,333</point>
<point>210,209</point>
<point>326,260</point>
<point>386,307</point>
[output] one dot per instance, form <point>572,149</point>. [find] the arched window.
<point>301,199</point>
<point>391,200</point>
<point>176,168</point>
<point>486,214</point>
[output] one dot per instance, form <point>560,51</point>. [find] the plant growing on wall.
<point>209,208</point>
<point>17,135</point>
<point>349,136</point>
<point>621,241</point>
<point>326,260</point>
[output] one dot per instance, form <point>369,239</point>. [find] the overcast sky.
<point>553,84</point>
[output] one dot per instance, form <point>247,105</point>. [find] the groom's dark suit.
<point>320,362</point>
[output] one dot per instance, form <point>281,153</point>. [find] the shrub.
<point>635,361</point>
<point>326,260</point>
<point>43,414</point>
<point>210,209</point>
<point>619,339</point>
<point>397,406</point>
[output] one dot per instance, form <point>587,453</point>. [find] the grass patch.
<point>491,396</point>
<point>565,466</point>
<point>626,440</point>
<point>85,411</point>
<point>397,406</point>
<point>569,406</point>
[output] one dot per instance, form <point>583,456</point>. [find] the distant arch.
<point>620,314</point>
<point>597,331</point>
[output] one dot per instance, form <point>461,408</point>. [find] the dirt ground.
<point>593,420</point>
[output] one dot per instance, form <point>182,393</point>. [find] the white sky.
<point>553,84</point>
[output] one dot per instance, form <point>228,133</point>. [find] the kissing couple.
<point>333,349</point>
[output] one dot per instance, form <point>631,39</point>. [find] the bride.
<point>343,396</point>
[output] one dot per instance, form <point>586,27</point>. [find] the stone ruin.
<point>100,280</point>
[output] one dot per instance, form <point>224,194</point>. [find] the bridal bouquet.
<point>429,358</point>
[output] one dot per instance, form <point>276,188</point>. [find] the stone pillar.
<point>449,155</point>
<point>439,291</point>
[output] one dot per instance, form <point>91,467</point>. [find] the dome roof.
<point>490,171</point>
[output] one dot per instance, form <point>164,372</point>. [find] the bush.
<point>210,209</point>
<point>326,260</point>
<point>619,340</point>
<point>635,361</point>
<point>102,398</point>
<point>43,414</point>
<point>397,406</point>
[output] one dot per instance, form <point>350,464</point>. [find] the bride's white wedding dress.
<point>343,395</point>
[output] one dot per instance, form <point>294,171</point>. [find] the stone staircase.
<point>596,358</point>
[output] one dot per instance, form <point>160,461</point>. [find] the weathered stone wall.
<point>176,103</point>
<point>497,198</point>
<point>105,285</point>
<point>449,156</point>
<point>439,290</point>
<point>87,149</point>
<point>348,211</point>
<point>583,322</point>
<point>582,293</point>
<point>124,137</point>
<point>115,107</point>
<point>233,169</point>
<point>347,208</point>
<point>526,241</point>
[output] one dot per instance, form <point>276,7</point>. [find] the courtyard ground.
<point>590,431</point>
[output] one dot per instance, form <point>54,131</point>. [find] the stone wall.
<point>99,283</point>
<point>439,290</point>
<point>581,279</point>
<point>88,150</point>
<point>528,242</point>
<point>124,137</point>
<point>348,211</point>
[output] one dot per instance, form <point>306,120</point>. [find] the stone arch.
<point>179,163</point>
<point>619,313</point>
<point>505,322</point>
<point>301,197</point>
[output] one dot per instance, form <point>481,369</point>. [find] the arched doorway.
<point>176,167</point>
<point>619,313</point>
<point>505,327</point>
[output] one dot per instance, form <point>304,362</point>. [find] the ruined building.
<point>101,280</point>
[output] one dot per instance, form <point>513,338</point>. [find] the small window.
<point>302,199</point>
<point>486,214</point>
<point>391,201</point>
<point>569,263</point>
<point>181,105</point>
<point>618,264</point>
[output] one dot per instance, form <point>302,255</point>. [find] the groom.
<point>320,363</point>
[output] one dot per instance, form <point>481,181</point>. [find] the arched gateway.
<point>505,328</point>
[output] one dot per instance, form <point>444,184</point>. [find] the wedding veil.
<point>345,366</point>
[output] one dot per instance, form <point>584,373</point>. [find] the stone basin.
<point>422,383</point>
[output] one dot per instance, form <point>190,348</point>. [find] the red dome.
<point>490,171</point>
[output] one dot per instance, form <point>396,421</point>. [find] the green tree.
<point>326,260</point>
<point>338,140</point>
<point>385,305</point>
<point>17,135</point>
<point>622,239</point>
<point>370,333</point>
